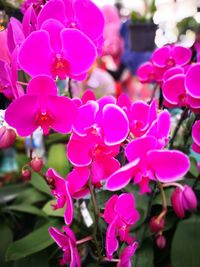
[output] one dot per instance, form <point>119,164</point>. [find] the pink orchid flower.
<point>120,214</point>
<point>171,55</point>
<point>147,162</point>
<point>141,117</point>
<point>177,92</point>
<point>75,186</point>
<point>29,22</point>
<point>35,4</point>
<point>41,107</point>
<point>196,136</point>
<point>74,14</point>
<point>94,154</point>
<point>125,256</point>
<point>67,242</point>
<point>57,52</point>
<point>15,35</point>
<point>173,71</point>
<point>183,198</point>
<point>8,78</point>
<point>148,73</point>
<point>192,85</point>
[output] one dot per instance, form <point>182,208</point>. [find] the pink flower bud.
<point>189,198</point>
<point>183,199</point>
<point>26,175</point>
<point>161,241</point>
<point>156,224</point>
<point>36,164</point>
<point>7,137</point>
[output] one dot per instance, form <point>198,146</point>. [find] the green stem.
<point>96,217</point>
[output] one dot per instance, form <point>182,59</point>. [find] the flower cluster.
<point>59,40</point>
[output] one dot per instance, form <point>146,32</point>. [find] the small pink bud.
<point>183,199</point>
<point>26,175</point>
<point>176,200</point>
<point>161,241</point>
<point>189,198</point>
<point>36,164</point>
<point>156,224</point>
<point>7,137</point>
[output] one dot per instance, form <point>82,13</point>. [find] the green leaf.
<point>38,182</point>
<point>57,159</point>
<point>27,209</point>
<point>102,198</point>
<point>30,196</point>
<point>32,243</point>
<point>144,255</point>
<point>10,192</point>
<point>51,212</point>
<point>5,240</point>
<point>39,259</point>
<point>193,167</point>
<point>185,244</point>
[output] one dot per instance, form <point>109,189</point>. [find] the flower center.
<point>60,67</point>
<point>44,120</point>
<point>170,62</point>
<point>183,99</point>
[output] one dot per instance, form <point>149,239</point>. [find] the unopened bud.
<point>156,224</point>
<point>161,241</point>
<point>36,164</point>
<point>183,199</point>
<point>7,137</point>
<point>26,174</point>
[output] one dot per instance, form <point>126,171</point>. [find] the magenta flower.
<point>148,73</point>
<point>196,136</point>
<point>75,186</point>
<point>120,214</point>
<point>125,256</point>
<point>171,72</point>
<point>29,22</point>
<point>35,4</point>
<point>41,107</point>
<point>67,242</point>
<point>8,79</point>
<point>80,14</point>
<point>192,81</point>
<point>175,92</point>
<point>183,198</point>
<point>171,56</point>
<point>15,35</point>
<point>147,162</point>
<point>57,52</point>
<point>141,117</point>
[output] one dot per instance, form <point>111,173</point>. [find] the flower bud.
<point>183,199</point>
<point>26,174</point>
<point>161,241</point>
<point>156,224</point>
<point>36,164</point>
<point>7,137</point>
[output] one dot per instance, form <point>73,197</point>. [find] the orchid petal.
<point>35,54</point>
<point>115,125</point>
<point>164,164</point>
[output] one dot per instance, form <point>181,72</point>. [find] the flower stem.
<point>83,240</point>
<point>164,201</point>
<point>182,118</point>
<point>70,88</point>
<point>22,83</point>
<point>96,217</point>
